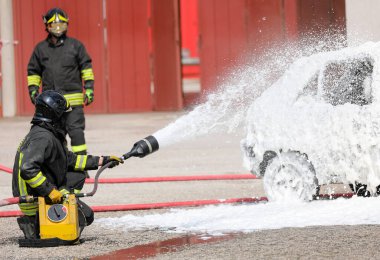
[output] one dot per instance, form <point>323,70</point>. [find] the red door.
<point>116,39</point>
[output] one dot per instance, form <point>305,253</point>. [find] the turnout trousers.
<point>75,126</point>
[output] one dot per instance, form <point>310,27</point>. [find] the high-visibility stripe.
<point>51,19</point>
<point>34,80</point>
<point>77,102</point>
<point>64,191</point>
<point>28,205</point>
<point>87,74</point>
<point>63,19</point>
<point>37,180</point>
<point>67,106</point>
<point>29,209</point>
<point>74,99</point>
<point>21,183</point>
<point>79,148</point>
<point>80,163</point>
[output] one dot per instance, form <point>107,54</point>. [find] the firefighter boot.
<point>28,225</point>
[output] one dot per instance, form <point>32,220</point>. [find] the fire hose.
<point>5,169</point>
<point>161,205</point>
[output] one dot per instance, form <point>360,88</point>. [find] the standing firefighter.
<point>61,63</point>
<point>44,167</point>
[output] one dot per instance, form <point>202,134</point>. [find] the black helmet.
<point>50,106</point>
<point>56,21</point>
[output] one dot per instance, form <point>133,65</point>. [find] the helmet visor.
<point>57,28</point>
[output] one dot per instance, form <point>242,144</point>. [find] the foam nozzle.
<point>143,147</point>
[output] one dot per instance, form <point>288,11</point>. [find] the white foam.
<point>225,109</point>
<point>250,218</point>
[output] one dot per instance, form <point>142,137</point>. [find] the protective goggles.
<point>57,27</point>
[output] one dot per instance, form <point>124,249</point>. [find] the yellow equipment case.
<point>58,224</point>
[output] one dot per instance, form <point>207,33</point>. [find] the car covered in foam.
<point>318,124</point>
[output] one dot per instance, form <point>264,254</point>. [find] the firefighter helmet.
<point>50,106</point>
<point>56,21</point>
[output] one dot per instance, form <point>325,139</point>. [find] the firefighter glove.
<point>89,96</point>
<point>114,159</point>
<point>55,196</point>
<point>33,93</point>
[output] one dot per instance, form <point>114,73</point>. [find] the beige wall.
<point>363,21</point>
<point>8,94</point>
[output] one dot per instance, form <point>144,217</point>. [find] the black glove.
<point>33,93</point>
<point>114,159</point>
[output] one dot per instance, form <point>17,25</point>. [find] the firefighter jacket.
<point>61,67</point>
<point>41,163</point>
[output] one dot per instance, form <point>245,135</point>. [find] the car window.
<point>348,81</point>
<point>311,88</point>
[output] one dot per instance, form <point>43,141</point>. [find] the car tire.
<point>268,156</point>
<point>290,176</point>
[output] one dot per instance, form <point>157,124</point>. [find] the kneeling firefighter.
<point>44,167</point>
